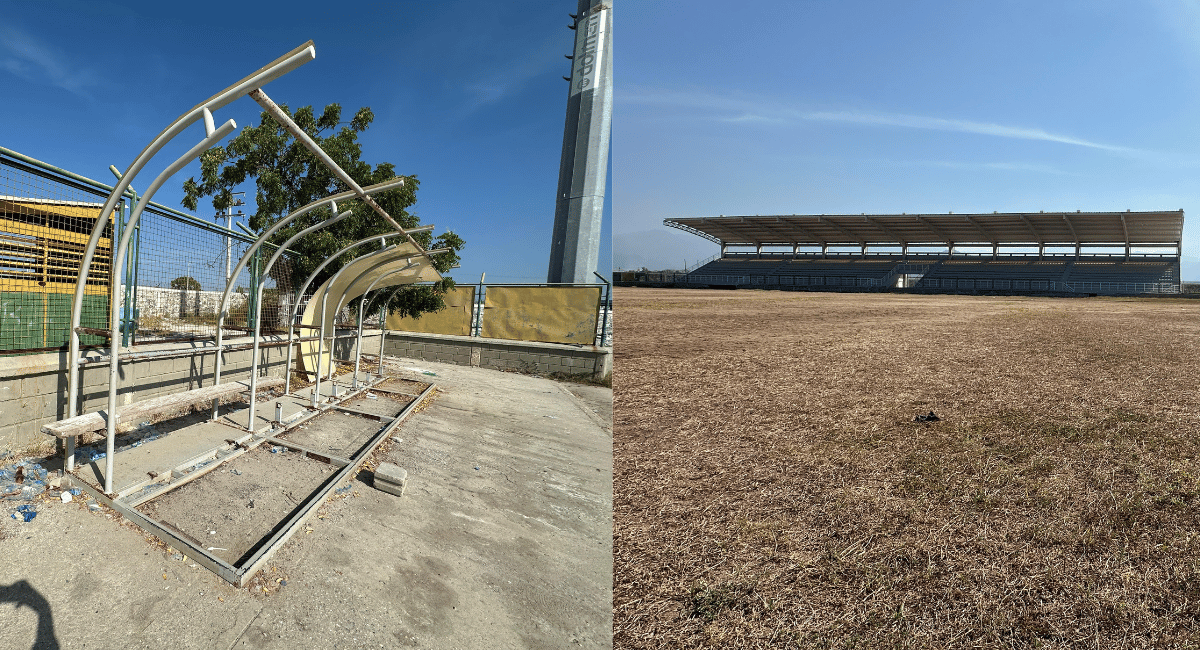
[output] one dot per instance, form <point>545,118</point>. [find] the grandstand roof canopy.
<point>1028,228</point>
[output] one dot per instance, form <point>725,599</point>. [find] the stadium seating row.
<point>1015,273</point>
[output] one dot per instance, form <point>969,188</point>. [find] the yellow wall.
<point>455,319</point>
<point>547,314</point>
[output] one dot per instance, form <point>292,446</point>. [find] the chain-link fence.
<point>180,273</point>
<point>172,280</point>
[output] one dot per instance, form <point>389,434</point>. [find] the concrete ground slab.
<point>514,554</point>
<point>183,439</point>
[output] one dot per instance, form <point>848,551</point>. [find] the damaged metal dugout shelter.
<point>398,262</point>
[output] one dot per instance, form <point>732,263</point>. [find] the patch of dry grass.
<point>772,490</point>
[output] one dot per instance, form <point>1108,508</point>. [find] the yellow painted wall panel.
<point>546,314</point>
<point>455,319</point>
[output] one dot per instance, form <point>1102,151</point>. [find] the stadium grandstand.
<point>1017,252</point>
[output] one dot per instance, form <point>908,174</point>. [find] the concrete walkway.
<point>502,540</point>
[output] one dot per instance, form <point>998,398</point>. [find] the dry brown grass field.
<point>773,490</point>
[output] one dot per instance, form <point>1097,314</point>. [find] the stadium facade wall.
<point>1020,273</point>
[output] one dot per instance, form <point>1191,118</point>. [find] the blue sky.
<point>810,107</point>
<point>467,95</point>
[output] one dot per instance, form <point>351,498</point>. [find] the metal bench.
<point>145,409</point>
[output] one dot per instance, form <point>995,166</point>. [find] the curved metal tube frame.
<point>262,283</point>
<point>325,298</point>
<point>264,75</point>
<point>214,136</point>
<point>361,306</point>
<point>224,306</point>
<point>392,254</point>
<point>287,388</point>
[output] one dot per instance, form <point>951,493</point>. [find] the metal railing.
<point>998,284</point>
<point>947,284</point>
<point>1119,287</point>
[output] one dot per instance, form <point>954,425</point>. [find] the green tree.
<point>288,176</point>
<point>185,282</point>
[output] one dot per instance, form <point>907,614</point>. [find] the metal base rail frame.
<point>242,572</point>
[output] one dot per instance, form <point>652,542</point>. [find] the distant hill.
<point>660,249</point>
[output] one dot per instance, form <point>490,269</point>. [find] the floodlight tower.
<point>575,248</point>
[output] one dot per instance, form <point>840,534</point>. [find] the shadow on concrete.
<point>21,593</point>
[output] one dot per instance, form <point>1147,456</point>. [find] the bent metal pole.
<point>264,75</point>
<point>303,138</point>
<point>262,283</point>
<point>223,307</point>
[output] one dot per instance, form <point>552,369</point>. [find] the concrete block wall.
<point>498,354</point>
<point>172,303</point>
<point>33,388</point>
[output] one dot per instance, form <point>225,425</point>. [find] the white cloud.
<point>961,126</point>
<point>760,110</point>
<point>1000,166</point>
<point>750,118</point>
<point>30,59</point>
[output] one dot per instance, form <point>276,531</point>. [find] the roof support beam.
<point>1071,226</point>
<point>949,241</point>
<point>756,240</point>
<point>988,237</point>
<point>801,231</point>
<point>1037,237</point>
<point>1074,235</point>
<point>728,235</point>
<point>887,231</point>
<point>1125,228</point>
<point>853,237</point>
<point>689,229</point>
<point>784,237</point>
